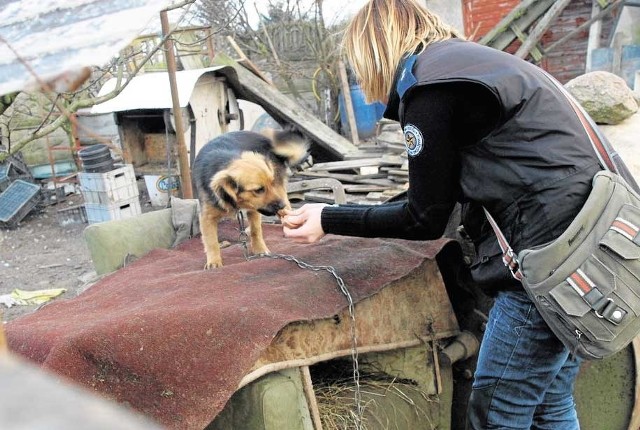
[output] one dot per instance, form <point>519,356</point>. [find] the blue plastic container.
<point>602,59</point>
<point>367,115</point>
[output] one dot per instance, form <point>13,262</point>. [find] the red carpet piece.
<point>173,341</point>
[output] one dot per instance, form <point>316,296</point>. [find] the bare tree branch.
<point>77,103</point>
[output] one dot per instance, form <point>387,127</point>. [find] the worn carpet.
<point>173,341</point>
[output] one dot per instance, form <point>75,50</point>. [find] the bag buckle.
<point>611,312</point>
<point>511,261</point>
<point>598,314</point>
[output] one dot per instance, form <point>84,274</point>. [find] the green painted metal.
<point>111,242</point>
<point>274,402</point>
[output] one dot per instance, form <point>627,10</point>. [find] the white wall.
<point>449,10</point>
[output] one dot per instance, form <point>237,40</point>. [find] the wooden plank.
<point>246,60</point>
<point>398,180</point>
<point>376,196</point>
<point>348,103</point>
<point>364,188</point>
<point>541,27</point>
<point>385,160</point>
<point>365,154</point>
<point>522,37</point>
<point>282,108</point>
<point>345,165</point>
<point>505,22</point>
<point>392,160</point>
<point>368,170</point>
<point>344,177</point>
<point>402,173</point>
<point>323,197</point>
<point>341,176</point>
<point>522,16</point>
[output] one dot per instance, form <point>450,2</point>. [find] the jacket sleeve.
<point>429,130</point>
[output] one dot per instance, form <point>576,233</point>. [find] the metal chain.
<point>244,238</point>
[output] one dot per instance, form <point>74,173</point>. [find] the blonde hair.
<point>381,33</point>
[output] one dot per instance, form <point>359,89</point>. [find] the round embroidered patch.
<point>413,139</point>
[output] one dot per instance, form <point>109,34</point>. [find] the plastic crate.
<point>19,164</point>
<point>5,179</point>
<point>76,214</point>
<point>112,196</point>
<point>121,210</point>
<point>109,180</point>
<point>9,172</point>
<point>17,201</point>
<point>108,188</point>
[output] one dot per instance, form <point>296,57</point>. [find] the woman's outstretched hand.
<point>303,224</point>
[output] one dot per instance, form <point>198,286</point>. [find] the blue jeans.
<point>524,377</point>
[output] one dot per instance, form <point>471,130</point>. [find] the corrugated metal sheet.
<point>56,36</point>
<point>151,91</point>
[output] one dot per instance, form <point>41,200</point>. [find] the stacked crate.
<point>111,195</point>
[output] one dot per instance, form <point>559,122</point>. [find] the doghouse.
<point>140,123</point>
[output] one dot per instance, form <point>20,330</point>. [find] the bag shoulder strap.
<point>508,255</point>
<point>606,156</point>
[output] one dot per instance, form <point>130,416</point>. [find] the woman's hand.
<point>303,224</point>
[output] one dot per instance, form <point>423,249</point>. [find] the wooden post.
<point>618,42</point>
<point>312,402</point>
<point>348,104</point>
<point>211,52</point>
<point>595,32</point>
<point>183,158</point>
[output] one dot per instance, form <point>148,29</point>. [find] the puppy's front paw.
<point>213,263</point>
<point>260,249</point>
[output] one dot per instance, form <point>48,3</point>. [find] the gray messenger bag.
<point>586,283</point>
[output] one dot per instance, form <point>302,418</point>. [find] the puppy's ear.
<point>225,188</point>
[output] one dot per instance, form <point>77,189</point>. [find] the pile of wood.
<point>377,171</point>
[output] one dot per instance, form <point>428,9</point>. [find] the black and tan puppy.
<point>244,170</point>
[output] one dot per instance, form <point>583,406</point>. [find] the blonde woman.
<point>482,128</point>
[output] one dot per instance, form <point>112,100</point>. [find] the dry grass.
<point>386,401</point>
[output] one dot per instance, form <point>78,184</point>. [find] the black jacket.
<point>532,170</point>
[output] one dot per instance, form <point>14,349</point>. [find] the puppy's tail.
<point>289,145</point>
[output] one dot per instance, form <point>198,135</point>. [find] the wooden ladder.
<point>532,16</point>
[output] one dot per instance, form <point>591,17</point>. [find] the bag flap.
<point>623,237</point>
<point>569,300</point>
<point>571,294</point>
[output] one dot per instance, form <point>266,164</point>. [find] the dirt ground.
<point>42,254</point>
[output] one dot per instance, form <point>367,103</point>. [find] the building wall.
<point>565,62</point>
<point>480,16</point>
<point>569,60</point>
